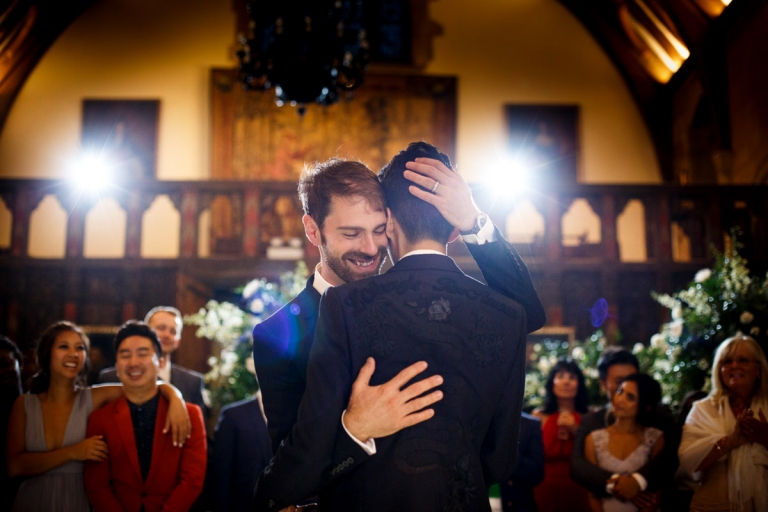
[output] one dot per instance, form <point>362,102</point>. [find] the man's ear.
<point>161,362</point>
<point>454,235</point>
<point>603,387</point>
<point>390,224</point>
<point>312,230</point>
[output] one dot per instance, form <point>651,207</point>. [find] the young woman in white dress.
<point>629,443</point>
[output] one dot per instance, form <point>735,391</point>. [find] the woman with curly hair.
<point>564,403</point>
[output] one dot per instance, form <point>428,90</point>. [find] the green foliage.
<point>232,376</point>
<point>720,302</point>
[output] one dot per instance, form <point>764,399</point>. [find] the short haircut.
<point>136,328</point>
<point>166,309</point>
<point>42,379</point>
<point>418,219</point>
<point>615,355</point>
<point>550,400</point>
<point>648,396</point>
<point>10,346</point>
<point>320,183</point>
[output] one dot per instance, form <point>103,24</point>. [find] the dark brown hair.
<point>136,328</point>
<point>418,219</point>
<point>335,177</point>
<point>42,379</point>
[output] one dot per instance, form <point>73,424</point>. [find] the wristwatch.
<point>480,221</point>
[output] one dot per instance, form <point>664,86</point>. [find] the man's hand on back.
<point>380,411</point>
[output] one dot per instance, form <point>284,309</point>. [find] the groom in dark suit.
<point>344,216</point>
<point>424,310</point>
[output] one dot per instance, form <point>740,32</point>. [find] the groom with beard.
<point>344,216</point>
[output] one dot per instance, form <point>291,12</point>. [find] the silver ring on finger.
<point>434,187</point>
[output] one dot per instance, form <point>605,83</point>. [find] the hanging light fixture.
<point>308,51</point>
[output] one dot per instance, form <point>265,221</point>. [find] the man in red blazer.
<point>144,471</point>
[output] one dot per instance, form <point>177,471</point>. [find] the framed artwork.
<point>252,138</point>
<point>544,140</point>
<point>124,134</point>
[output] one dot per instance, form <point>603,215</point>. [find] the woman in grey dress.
<point>629,443</point>
<point>46,431</point>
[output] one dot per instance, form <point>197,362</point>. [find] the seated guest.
<point>145,470</point>
<point>565,402</point>
<point>614,365</point>
<point>242,450</point>
<point>517,490</point>
<point>725,437</point>
<point>167,324</point>
<point>630,442</point>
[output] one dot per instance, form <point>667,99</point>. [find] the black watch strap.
<point>480,221</point>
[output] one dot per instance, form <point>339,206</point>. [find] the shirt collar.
<point>165,372</point>
<point>423,251</point>
<point>320,283</point>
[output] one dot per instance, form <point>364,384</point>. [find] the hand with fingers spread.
<point>380,411</point>
<point>452,197</point>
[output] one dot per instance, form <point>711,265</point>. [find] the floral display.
<point>720,302</point>
<point>229,326</point>
<point>544,356</point>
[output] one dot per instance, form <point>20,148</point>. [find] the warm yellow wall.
<point>503,51</point>
<point>535,51</point>
<point>129,49</point>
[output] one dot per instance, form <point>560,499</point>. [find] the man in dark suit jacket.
<point>517,489</point>
<point>423,309</point>
<point>167,323</point>
<point>144,470</point>
<point>344,216</point>
<point>241,452</point>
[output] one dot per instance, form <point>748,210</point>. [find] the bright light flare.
<point>92,172</point>
<point>508,177</point>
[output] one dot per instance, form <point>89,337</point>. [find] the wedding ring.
<point>434,188</point>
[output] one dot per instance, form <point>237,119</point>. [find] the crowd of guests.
<point>141,442</point>
<point>633,455</point>
<point>136,441</point>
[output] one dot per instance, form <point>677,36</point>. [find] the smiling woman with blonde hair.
<point>725,437</point>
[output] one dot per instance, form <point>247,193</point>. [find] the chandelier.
<point>309,51</point>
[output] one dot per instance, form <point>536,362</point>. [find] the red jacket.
<point>175,476</point>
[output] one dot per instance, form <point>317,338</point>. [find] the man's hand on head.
<point>452,198</point>
<point>380,411</point>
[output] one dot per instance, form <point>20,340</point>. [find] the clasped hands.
<point>626,488</point>
<point>749,429</point>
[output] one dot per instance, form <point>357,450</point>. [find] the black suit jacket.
<point>517,489</point>
<point>190,384</point>
<point>424,308</point>
<point>281,344</point>
<point>280,354</point>
<point>656,472</point>
<point>242,450</point>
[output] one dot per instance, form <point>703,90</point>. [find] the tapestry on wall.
<point>544,139</point>
<point>255,139</point>
<point>123,133</point>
